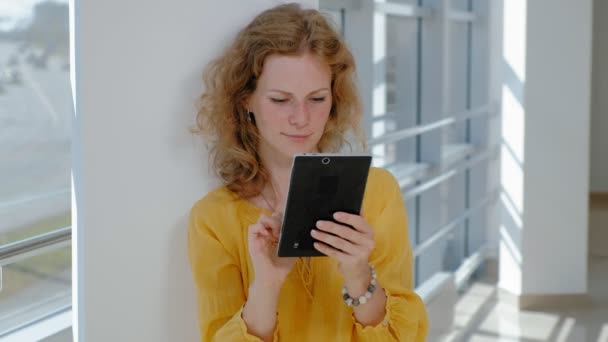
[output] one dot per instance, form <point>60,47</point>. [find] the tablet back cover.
<point>319,186</point>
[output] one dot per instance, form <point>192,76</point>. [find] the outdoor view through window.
<point>36,112</point>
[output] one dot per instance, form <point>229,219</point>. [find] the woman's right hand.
<point>260,311</point>
<point>263,240</point>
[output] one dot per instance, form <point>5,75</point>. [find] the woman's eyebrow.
<point>288,93</point>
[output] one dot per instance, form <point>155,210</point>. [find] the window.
<point>422,67</point>
<point>36,111</point>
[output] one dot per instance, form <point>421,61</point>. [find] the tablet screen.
<point>319,186</point>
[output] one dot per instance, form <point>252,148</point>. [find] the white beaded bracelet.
<point>368,294</point>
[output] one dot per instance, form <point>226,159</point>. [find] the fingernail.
<point>319,224</point>
<point>337,216</point>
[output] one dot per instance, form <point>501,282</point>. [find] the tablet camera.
<point>325,161</point>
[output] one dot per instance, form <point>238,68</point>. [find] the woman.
<point>286,86</point>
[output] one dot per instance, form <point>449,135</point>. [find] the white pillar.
<point>545,155</point>
<point>599,116</point>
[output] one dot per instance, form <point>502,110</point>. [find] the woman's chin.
<point>289,150</point>
<point>292,152</point>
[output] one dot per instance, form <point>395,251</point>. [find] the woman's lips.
<point>298,137</point>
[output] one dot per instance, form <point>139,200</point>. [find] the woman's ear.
<point>246,103</point>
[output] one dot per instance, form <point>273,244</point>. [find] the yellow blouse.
<point>310,307</point>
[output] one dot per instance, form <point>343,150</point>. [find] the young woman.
<point>285,86</point>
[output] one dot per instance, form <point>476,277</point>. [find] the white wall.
<point>137,171</point>
<point>599,99</point>
<point>557,102</point>
<point>546,117</point>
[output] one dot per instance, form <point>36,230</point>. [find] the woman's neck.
<point>278,166</point>
<point>275,190</point>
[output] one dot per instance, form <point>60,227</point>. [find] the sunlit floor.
<point>481,314</point>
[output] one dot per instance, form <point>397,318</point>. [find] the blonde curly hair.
<point>230,79</point>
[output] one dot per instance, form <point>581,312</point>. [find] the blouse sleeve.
<point>405,318</point>
<point>219,284</point>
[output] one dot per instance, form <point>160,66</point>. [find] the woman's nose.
<point>299,115</point>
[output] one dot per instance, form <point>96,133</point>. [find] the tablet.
<point>319,186</point>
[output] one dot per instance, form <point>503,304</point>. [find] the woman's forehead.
<point>282,73</point>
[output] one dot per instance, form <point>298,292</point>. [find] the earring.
<point>250,118</point>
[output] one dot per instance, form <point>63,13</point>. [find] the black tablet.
<point>319,186</point>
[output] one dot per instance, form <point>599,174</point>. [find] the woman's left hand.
<point>350,247</point>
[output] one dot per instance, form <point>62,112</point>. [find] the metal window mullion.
<point>479,130</point>
<point>379,60</point>
<point>342,21</point>
<point>421,186</point>
<point>420,129</point>
<point>402,10</point>
<point>36,245</point>
<point>457,16</point>
<point>467,177</point>
<point>432,97</point>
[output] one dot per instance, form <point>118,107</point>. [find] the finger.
<point>272,222</point>
<point>336,242</point>
<point>262,230</point>
<point>278,217</point>
<point>355,221</point>
<point>344,232</point>
<point>330,251</point>
<point>258,229</point>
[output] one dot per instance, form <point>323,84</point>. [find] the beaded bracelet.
<point>368,295</point>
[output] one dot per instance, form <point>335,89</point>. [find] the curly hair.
<point>230,79</point>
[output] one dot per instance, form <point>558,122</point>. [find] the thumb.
<point>277,218</point>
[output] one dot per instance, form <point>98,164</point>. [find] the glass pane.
<point>459,84</point>
<point>461,5</point>
<point>36,116</point>
<point>447,254</point>
<point>456,192</point>
<point>444,256</point>
<point>478,192</point>
<point>412,212</point>
<point>35,287</point>
<point>401,91</point>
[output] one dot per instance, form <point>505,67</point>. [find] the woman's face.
<point>291,104</point>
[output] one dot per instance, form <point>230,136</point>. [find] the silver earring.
<point>250,117</point>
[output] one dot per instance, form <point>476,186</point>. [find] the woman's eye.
<point>318,99</point>
<point>278,100</point>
